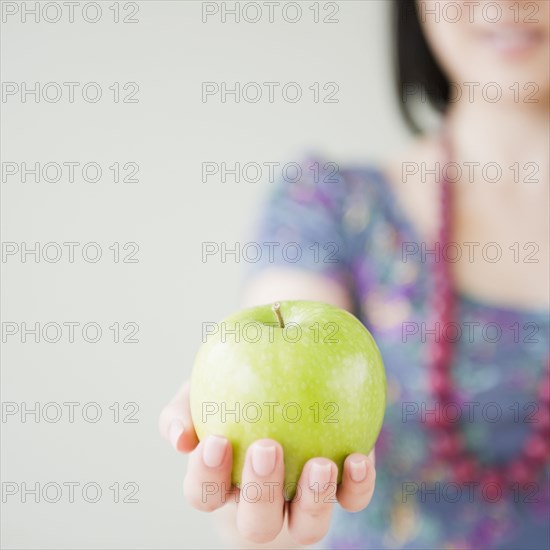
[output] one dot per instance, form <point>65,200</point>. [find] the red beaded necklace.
<point>448,443</point>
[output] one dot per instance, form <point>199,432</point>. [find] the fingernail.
<point>174,432</point>
<point>214,451</point>
<point>263,459</point>
<point>319,475</point>
<point>358,470</point>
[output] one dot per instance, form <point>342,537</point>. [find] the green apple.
<point>306,374</point>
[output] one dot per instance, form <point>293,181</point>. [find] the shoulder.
<point>413,176</point>
<point>316,191</point>
<point>335,185</point>
<point>361,194</point>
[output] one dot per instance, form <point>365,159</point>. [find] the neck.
<point>500,132</point>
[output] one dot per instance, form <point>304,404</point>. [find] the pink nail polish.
<point>319,476</point>
<point>263,459</point>
<point>214,451</point>
<point>358,470</point>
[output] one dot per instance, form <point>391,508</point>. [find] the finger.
<point>311,509</point>
<point>358,480</point>
<point>260,513</point>
<point>208,478</point>
<point>175,423</point>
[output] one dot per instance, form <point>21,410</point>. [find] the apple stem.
<point>277,310</point>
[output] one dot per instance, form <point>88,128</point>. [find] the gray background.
<point>169,292</point>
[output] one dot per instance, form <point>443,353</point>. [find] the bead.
<point>466,470</point>
<point>441,356</point>
<point>537,449</point>
<point>518,472</point>
<point>542,420</point>
<point>544,390</point>
<point>493,476</point>
<point>441,384</point>
<point>437,422</point>
<point>447,445</point>
<point>447,442</point>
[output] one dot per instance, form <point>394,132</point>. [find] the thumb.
<point>176,424</point>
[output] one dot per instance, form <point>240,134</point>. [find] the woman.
<point>443,254</point>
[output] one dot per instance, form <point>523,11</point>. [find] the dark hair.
<point>418,73</point>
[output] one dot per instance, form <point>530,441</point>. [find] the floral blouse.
<point>347,225</point>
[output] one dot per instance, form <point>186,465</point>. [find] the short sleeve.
<point>301,224</point>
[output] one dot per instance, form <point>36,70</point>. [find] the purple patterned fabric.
<point>499,366</point>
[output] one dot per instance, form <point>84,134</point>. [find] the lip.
<point>512,40</point>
